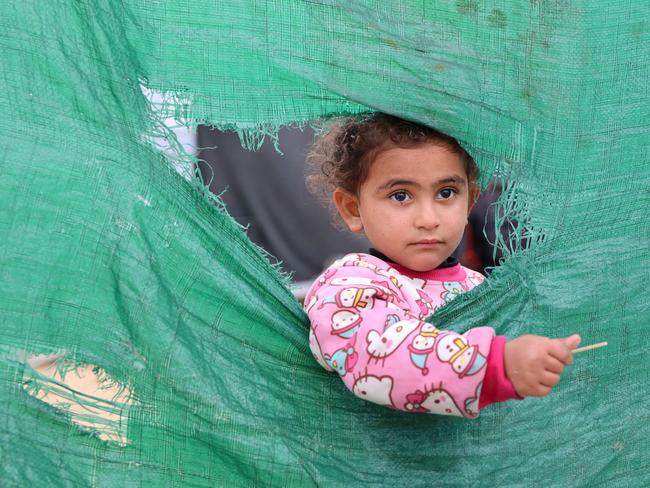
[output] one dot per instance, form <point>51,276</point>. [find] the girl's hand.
<point>534,363</point>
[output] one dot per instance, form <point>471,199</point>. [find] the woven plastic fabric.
<point>110,259</point>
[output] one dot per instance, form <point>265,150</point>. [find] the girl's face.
<point>413,206</point>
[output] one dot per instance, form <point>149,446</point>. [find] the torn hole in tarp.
<point>85,393</point>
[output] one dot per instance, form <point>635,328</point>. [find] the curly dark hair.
<point>342,156</point>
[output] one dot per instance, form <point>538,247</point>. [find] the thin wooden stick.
<point>589,348</point>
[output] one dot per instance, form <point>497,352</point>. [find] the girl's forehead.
<point>427,163</point>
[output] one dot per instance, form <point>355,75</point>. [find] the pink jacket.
<point>367,324</point>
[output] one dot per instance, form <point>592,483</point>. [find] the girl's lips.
<point>428,242</point>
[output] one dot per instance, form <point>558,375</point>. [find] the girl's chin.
<point>423,265</point>
<point>425,261</point>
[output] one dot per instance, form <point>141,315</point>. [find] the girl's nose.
<point>427,217</point>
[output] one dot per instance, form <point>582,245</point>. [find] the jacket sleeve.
<point>363,328</point>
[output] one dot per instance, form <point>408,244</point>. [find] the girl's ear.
<point>347,205</point>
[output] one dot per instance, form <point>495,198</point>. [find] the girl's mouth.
<point>427,242</point>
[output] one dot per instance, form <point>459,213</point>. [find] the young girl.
<point>409,189</point>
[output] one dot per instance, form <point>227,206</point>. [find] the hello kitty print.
<point>367,325</point>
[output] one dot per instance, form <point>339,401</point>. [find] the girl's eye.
<point>400,196</point>
<point>447,193</point>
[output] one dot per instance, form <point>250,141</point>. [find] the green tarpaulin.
<point>109,258</point>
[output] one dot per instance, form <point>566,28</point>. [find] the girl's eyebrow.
<point>457,179</point>
<point>395,182</point>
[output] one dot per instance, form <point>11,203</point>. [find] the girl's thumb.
<point>572,342</point>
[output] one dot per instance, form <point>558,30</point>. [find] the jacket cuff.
<point>496,385</point>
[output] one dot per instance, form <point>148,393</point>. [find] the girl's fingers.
<point>549,379</point>
<point>540,391</point>
<point>559,350</point>
<point>553,365</point>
